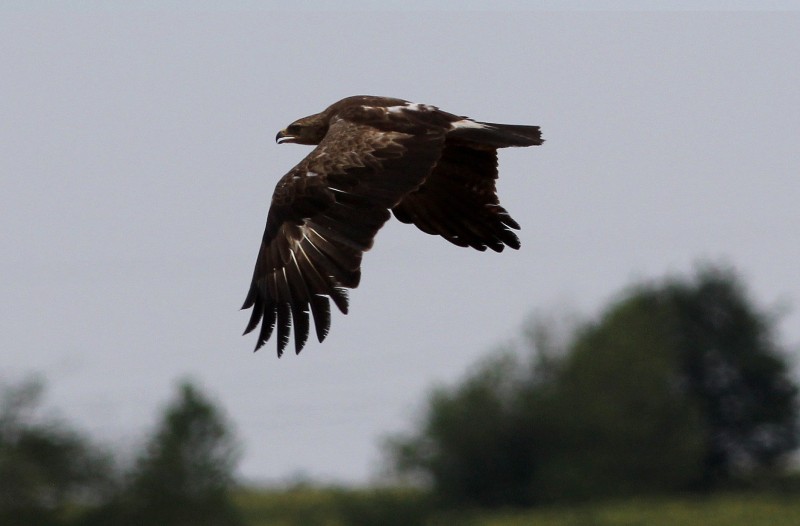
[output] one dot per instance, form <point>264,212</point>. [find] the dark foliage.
<point>615,422</point>
<point>185,474</point>
<point>469,445</point>
<point>678,386</point>
<point>734,369</point>
<point>51,475</point>
<point>45,466</point>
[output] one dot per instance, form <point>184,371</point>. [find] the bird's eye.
<point>293,129</point>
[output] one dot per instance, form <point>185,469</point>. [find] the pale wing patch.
<point>308,174</point>
<point>411,106</point>
<point>468,123</point>
<point>297,242</point>
<point>415,106</point>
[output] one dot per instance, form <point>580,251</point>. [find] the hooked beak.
<point>283,137</point>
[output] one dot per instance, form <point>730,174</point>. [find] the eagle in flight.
<point>373,155</point>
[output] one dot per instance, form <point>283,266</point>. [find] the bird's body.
<point>431,168</point>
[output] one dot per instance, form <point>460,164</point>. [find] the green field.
<point>327,507</point>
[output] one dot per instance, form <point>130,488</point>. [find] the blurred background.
<point>138,160</point>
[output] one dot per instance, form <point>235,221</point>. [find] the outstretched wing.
<point>324,215</point>
<point>458,201</point>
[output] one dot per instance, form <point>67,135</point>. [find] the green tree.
<point>678,385</point>
<point>468,445</point>
<point>734,369</point>
<point>44,464</point>
<point>185,474</point>
<point>616,422</point>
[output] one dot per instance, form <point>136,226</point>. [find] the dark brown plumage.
<point>431,168</point>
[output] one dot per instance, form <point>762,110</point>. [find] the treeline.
<point>678,386</point>
<point>51,475</point>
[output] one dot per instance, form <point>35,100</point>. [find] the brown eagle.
<point>373,154</point>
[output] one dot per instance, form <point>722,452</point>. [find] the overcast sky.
<point>137,159</point>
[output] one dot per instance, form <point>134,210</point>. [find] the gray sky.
<point>137,157</point>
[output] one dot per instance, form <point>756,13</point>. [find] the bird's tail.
<point>499,135</point>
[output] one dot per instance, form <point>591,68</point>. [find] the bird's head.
<point>308,130</point>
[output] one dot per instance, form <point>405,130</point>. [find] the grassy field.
<point>730,510</point>
<point>330,507</point>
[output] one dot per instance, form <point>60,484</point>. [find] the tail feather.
<point>498,135</point>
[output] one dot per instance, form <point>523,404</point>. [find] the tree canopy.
<point>45,465</point>
<point>185,472</point>
<point>677,385</point>
<point>51,475</point>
